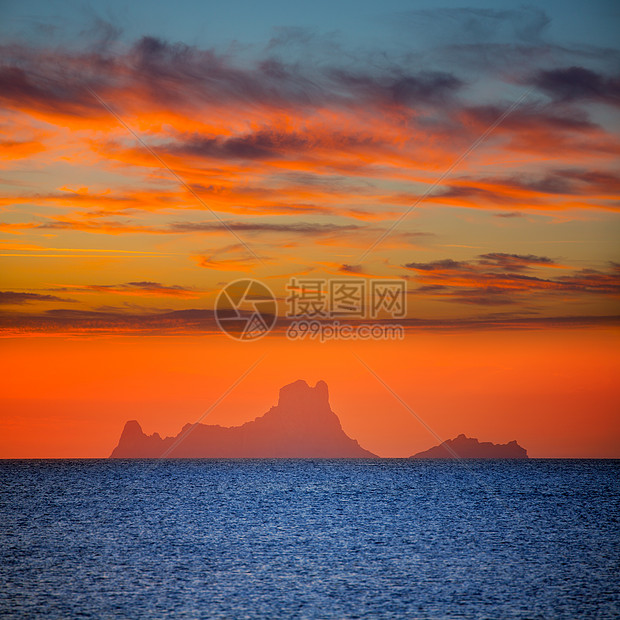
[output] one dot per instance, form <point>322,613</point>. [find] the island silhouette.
<point>301,425</point>
<point>463,447</point>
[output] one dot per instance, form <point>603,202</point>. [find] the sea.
<point>381,538</point>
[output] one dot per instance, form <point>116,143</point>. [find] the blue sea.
<point>309,539</point>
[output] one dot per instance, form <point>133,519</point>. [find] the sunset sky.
<point>151,153</point>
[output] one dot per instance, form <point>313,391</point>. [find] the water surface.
<point>309,539</point>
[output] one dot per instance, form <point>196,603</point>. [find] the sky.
<point>151,153</point>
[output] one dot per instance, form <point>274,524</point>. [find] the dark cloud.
<point>90,225</point>
<point>475,194</point>
<point>426,87</point>
<point>438,265</point>
<point>9,298</point>
<point>515,262</point>
<point>112,321</point>
<point>178,72</point>
<point>295,228</point>
<point>35,90</point>
<point>196,320</point>
<point>578,84</point>
<point>570,181</point>
<point>592,281</point>
<point>263,144</point>
<point>532,117</point>
<point>497,278</point>
<point>154,286</point>
<point>353,269</point>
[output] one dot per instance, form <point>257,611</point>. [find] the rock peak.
<point>299,390</point>
<point>132,429</point>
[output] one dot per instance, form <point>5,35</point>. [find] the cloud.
<point>113,322</point>
<point>40,93</point>
<point>244,265</point>
<point>109,227</point>
<point>592,281</point>
<point>400,88</point>
<point>267,144</point>
<point>12,298</point>
<point>175,75</point>
<point>500,278</point>
<point>352,269</point>
<point>20,149</point>
<point>531,119</point>
<point>569,182</point>
<point>508,214</point>
<point>102,202</point>
<point>247,135</point>
<point>515,262</point>
<point>318,131</point>
<point>578,84</point>
<point>299,233</point>
<point>201,321</point>
<point>438,265</point>
<point>141,289</point>
<point>293,228</point>
<point>554,189</point>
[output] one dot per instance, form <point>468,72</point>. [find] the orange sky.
<point>555,391</point>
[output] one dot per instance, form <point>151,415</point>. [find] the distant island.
<point>301,425</point>
<point>463,447</point>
